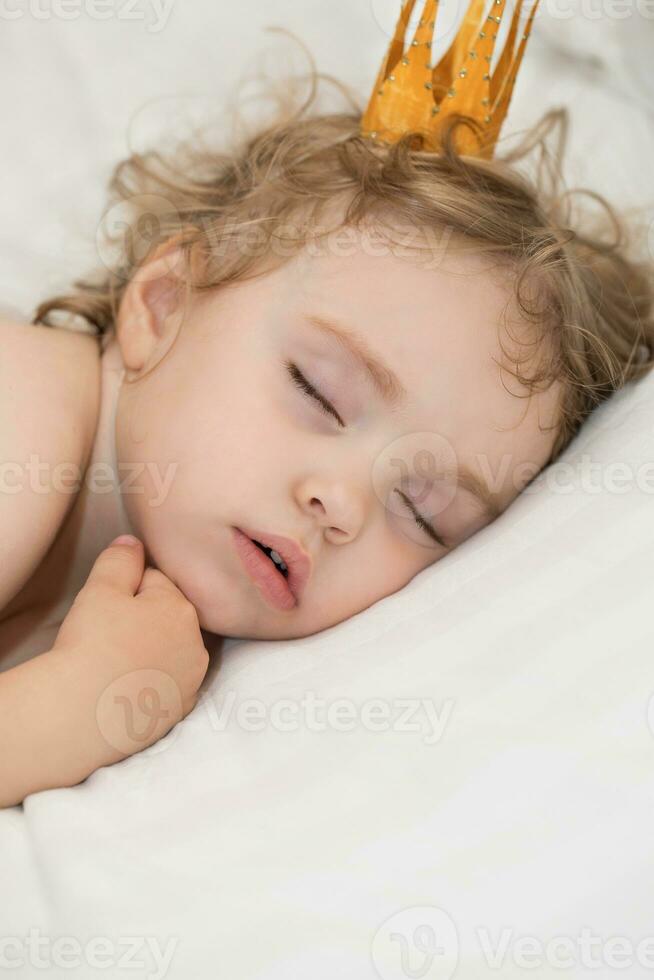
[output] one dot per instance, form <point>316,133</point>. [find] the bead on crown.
<point>411,94</point>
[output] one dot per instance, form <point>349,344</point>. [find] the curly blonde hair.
<point>593,302</point>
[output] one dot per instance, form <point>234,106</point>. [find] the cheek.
<point>166,442</point>
<point>355,582</point>
<point>404,548</point>
<point>195,457</point>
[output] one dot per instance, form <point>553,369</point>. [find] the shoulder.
<point>49,373</point>
<point>49,403</point>
<point>49,387</point>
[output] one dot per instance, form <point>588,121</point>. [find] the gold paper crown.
<point>411,94</point>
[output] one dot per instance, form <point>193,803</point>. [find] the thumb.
<point>119,565</point>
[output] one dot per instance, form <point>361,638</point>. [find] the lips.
<point>297,561</point>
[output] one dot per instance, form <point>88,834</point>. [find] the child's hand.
<point>139,637</point>
<point>125,668</point>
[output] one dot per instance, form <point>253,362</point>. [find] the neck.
<point>99,508</point>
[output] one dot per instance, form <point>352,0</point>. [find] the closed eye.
<point>422,523</point>
<point>301,382</point>
<point>298,379</point>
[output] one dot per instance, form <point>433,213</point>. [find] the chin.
<point>263,624</point>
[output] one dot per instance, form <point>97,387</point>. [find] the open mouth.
<point>266,571</point>
<point>274,557</point>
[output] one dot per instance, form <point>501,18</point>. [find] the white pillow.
<point>617,38</point>
<point>522,804</point>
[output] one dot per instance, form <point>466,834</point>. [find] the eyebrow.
<point>355,347</point>
<point>387,384</point>
<point>468,480</point>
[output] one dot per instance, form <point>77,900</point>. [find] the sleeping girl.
<point>318,363</point>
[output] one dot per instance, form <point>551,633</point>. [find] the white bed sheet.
<point>271,855</point>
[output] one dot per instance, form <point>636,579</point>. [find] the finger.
<point>119,566</point>
<point>155,581</point>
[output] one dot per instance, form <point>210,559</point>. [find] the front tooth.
<point>278,558</point>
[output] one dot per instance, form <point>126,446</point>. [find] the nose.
<point>337,507</point>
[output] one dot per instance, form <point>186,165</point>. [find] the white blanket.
<point>480,804</point>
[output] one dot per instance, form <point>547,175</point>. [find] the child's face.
<point>243,446</point>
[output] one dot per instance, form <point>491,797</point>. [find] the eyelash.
<point>298,379</point>
<point>301,382</point>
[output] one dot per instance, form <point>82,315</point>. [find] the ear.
<point>150,308</point>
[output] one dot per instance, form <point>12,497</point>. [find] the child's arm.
<point>126,666</point>
<point>48,735</point>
